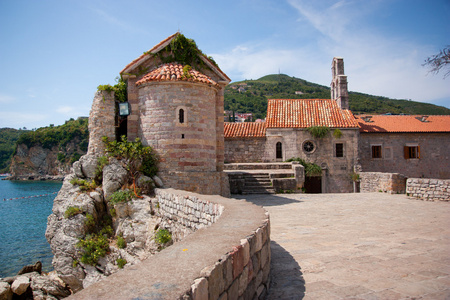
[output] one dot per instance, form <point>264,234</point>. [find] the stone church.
<point>178,109</point>
<point>413,146</point>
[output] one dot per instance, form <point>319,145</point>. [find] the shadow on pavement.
<point>267,199</point>
<point>286,279</point>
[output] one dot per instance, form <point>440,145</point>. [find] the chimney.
<point>339,90</point>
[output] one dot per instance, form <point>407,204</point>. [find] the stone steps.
<point>258,183</point>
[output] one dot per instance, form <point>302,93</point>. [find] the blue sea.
<point>24,208</point>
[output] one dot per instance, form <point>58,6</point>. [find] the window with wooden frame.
<point>339,150</point>
<point>412,152</point>
<point>376,151</point>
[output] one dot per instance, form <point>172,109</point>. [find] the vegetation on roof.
<point>183,51</point>
<point>252,95</point>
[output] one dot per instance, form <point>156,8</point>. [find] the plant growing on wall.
<point>311,169</point>
<point>337,133</point>
<point>318,131</point>
<point>119,89</point>
<point>355,177</point>
<point>184,51</point>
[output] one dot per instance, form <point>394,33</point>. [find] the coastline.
<point>35,177</point>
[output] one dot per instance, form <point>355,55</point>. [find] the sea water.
<point>24,208</point>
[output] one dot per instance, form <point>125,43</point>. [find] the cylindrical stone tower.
<point>178,108</point>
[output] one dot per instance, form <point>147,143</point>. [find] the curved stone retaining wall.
<point>227,260</point>
<point>428,189</point>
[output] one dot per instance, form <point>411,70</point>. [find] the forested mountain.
<point>8,138</point>
<point>251,96</point>
<point>48,150</point>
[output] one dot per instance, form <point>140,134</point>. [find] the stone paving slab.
<point>357,246</point>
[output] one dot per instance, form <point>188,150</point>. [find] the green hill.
<point>251,96</point>
<point>47,137</point>
<point>8,138</point>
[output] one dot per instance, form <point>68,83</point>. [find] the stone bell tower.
<point>339,89</point>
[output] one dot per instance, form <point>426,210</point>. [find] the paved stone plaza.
<point>357,246</point>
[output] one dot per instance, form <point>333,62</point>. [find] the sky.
<point>54,54</point>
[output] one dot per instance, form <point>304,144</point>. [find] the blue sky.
<point>54,54</point>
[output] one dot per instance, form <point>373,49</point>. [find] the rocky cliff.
<point>49,151</point>
<point>93,232</point>
<point>37,162</point>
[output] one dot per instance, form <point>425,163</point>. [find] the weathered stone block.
<point>200,289</point>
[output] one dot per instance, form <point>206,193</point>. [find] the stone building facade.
<point>415,146</point>
<point>410,146</point>
<point>286,136</point>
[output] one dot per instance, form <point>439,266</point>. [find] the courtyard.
<point>357,246</point>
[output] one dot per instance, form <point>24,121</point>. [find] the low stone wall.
<point>392,183</point>
<point>428,189</point>
<point>229,259</point>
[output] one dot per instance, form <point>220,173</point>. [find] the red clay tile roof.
<point>174,72</point>
<point>161,45</point>
<point>410,123</point>
<point>304,113</point>
<point>246,129</point>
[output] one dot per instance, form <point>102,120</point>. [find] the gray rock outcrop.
<point>39,163</point>
<point>134,221</point>
<point>33,285</point>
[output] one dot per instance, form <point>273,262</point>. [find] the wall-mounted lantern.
<point>124,109</point>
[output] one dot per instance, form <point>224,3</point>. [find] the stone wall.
<point>230,259</point>
<point>101,121</point>
<point>187,210</point>
<point>428,189</point>
<point>434,160</point>
<point>392,183</point>
<point>239,150</point>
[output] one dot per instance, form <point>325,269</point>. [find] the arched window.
<point>279,150</point>
<point>181,115</point>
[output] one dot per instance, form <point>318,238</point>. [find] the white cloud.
<point>19,120</point>
<point>375,62</point>
<point>72,111</point>
<point>6,99</point>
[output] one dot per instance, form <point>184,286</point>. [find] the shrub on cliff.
<point>136,157</point>
<point>92,248</point>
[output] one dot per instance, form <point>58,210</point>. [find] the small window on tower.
<point>181,115</point>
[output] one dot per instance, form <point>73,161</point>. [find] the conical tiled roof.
<point>174,72</point>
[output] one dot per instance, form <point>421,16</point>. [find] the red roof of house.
<point>246,129</point>
<point>402,123</point>
<point>304,113</point>
<point>161,45</point>
<point>174,72</point>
